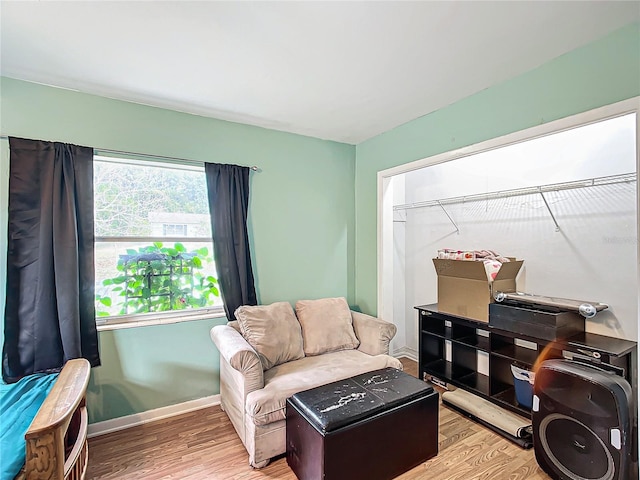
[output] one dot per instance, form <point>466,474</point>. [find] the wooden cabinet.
<point>476,357</point>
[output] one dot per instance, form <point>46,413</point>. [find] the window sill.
<point>148,319</point>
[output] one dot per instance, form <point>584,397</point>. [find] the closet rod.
<point>593,182</point>
<point>98,151</point>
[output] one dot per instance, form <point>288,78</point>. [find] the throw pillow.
<point>273,331</point>
<point>326,325</point>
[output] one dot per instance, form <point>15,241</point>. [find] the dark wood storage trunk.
<point>535,323</point>
<point>377,447</point>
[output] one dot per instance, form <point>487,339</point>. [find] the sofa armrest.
<point>374,333</point>
<point>237,352</point>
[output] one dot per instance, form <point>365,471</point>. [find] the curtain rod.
<point>98,150</point>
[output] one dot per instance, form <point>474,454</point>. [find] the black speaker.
<point>583,422</point>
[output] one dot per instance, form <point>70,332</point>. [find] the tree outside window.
<point>154,251</point>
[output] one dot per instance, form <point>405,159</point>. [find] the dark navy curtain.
<point>228,192</point>
<point>50,310</point>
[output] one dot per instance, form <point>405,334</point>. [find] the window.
<point>172,229</point>
<point>153,251</point>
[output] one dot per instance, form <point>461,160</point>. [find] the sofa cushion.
<point>268,404</point>
<point>273,331</point>
<point>326,325</point>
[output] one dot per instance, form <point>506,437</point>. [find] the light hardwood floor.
<point>203,445</point>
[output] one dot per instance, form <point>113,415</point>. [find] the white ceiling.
<point>343,71</point>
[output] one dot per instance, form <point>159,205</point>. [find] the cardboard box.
<point>465,291</point>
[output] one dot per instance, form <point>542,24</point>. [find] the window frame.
<point>114,322</point>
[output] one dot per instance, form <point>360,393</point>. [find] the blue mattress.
<point>19,403</point>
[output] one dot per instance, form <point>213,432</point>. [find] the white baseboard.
<point>406,352</point>
<point>121,423</point>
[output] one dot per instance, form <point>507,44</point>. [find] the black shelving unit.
<point>467,337</point>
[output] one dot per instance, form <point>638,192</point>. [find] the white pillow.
<point>273,331</point>
<point>327,325</point>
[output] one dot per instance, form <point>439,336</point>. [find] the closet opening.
<point>561,196</point>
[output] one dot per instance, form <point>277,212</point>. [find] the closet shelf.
<point>542,189</point>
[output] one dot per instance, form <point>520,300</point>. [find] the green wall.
<point>312,233</point>
<point>597,74</point>
<point>301,225</point>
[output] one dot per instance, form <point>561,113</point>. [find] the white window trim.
<point>157,318</point>
<point>117,322</point>
<point>152,239</point>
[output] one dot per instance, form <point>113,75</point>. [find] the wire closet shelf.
<point>624,178</point>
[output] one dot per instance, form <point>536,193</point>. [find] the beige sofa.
<point>324,343</point>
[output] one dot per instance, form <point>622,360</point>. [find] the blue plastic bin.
<point>523,383</point>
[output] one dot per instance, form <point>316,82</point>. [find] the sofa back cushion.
<point>326,325</point>
<point>273,331</point>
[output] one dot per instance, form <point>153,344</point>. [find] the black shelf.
<point>437,334</point>
<point>445,370</point>
<point>508,399</point>
<point>616,347</point>
<point>477,341</point>
<point>498,387</point>
<point>432,324</point>
<point>468,337</point>
<point>428,358</point>
<point>476,382</point>
<point>515,352</point>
